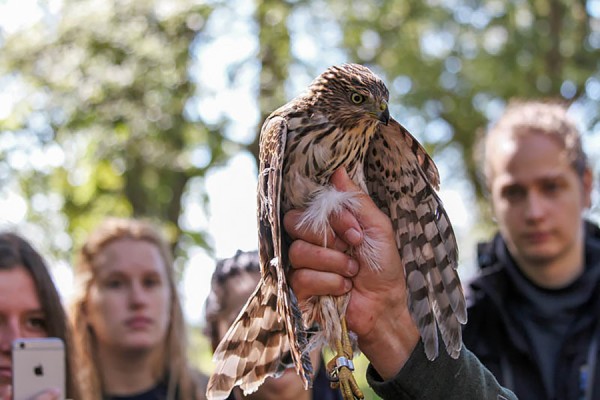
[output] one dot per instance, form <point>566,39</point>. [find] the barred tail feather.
<point>447,321</point>
<point>421,311</point>
<point>446,257</point>
<point>255,347</point>
<point>439,249</point>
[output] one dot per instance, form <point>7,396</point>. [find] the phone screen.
<point>38,365</point>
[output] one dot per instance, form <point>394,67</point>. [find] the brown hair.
<point>175,367</point>
<point>526,117</point>
<point>16,252</point>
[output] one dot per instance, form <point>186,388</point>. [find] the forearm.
<point>444,378</point>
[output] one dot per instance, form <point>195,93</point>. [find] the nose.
<point>137,294</point>
<point>535,207</point>
<point>9,331</point>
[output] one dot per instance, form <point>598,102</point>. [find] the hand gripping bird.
<point>342,121</point>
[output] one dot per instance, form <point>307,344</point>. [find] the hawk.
<point>342,120</point>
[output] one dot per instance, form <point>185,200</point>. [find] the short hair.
<point>175,366</point>
<point>243,265</point>
<point>522,118</point>
<point>16,252</point>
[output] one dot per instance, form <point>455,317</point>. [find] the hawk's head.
<point>351,95</point>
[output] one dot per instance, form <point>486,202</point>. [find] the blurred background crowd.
<point>151,108</point>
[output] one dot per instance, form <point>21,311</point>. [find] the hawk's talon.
<point>348,386</point>
<point>341,367</point>
<point>333,377</point>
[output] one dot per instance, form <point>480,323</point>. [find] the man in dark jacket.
<point>534,308</point>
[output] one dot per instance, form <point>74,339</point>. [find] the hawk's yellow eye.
<point>357,98</point>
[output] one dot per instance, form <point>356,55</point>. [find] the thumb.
<point>341,181</point>
<point>49,394</point>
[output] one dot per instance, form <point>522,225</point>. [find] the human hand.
<point>49,394</point>
<point>377,311</point>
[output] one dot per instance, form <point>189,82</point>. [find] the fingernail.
<point>352,267</point>
<point>353,236</point>
<point>53,393</point>
<point>347,284</point>
<point>340,245</point>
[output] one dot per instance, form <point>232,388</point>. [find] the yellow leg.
<point>341,367</point>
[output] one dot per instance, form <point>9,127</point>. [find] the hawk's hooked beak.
<point>384,113</point>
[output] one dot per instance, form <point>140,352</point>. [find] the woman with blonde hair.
<point>129,328</point>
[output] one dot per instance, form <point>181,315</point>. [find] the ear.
<point>588,183</point>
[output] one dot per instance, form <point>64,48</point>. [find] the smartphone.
<point>38,364</point>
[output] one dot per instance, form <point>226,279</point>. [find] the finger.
<point>291,222</point>
<point>304,255</point>
<point>342,181</point>
<point>347,229</point>
<point>309,282</point>
<point>50,394</point>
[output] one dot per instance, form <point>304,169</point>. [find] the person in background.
<point>233,281</point>
<point>535,307</point>
<point>378,309</point>
<point>30,307</point>
<point>129,327</point>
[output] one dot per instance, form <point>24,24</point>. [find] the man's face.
<point>537,199</point>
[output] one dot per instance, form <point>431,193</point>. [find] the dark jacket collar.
<point>494,282</point>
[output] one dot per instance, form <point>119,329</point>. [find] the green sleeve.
<point>444,378</point>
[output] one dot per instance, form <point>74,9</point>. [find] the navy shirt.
<point>158,392</point>
<point>321,389</point>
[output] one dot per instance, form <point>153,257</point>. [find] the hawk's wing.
<point>271,244</point>
<point>400,179</point>
<point>257,345</point>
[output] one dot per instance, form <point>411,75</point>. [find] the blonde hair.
<point>534,117</point>
<point>175,366</point>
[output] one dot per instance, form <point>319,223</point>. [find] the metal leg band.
<point>340,362</point>
<point>344,362</point>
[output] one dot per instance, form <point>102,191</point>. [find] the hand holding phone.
<point>38,369</point>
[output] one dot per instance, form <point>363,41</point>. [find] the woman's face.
<point>21,316</point>
<point>129,301</point>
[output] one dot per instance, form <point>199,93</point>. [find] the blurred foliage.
<point>454,63</point>
<point>274,57</point>
<point>110,91</point>
<point>108,82</point>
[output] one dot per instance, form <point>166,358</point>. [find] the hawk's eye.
<point>357,98</point>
